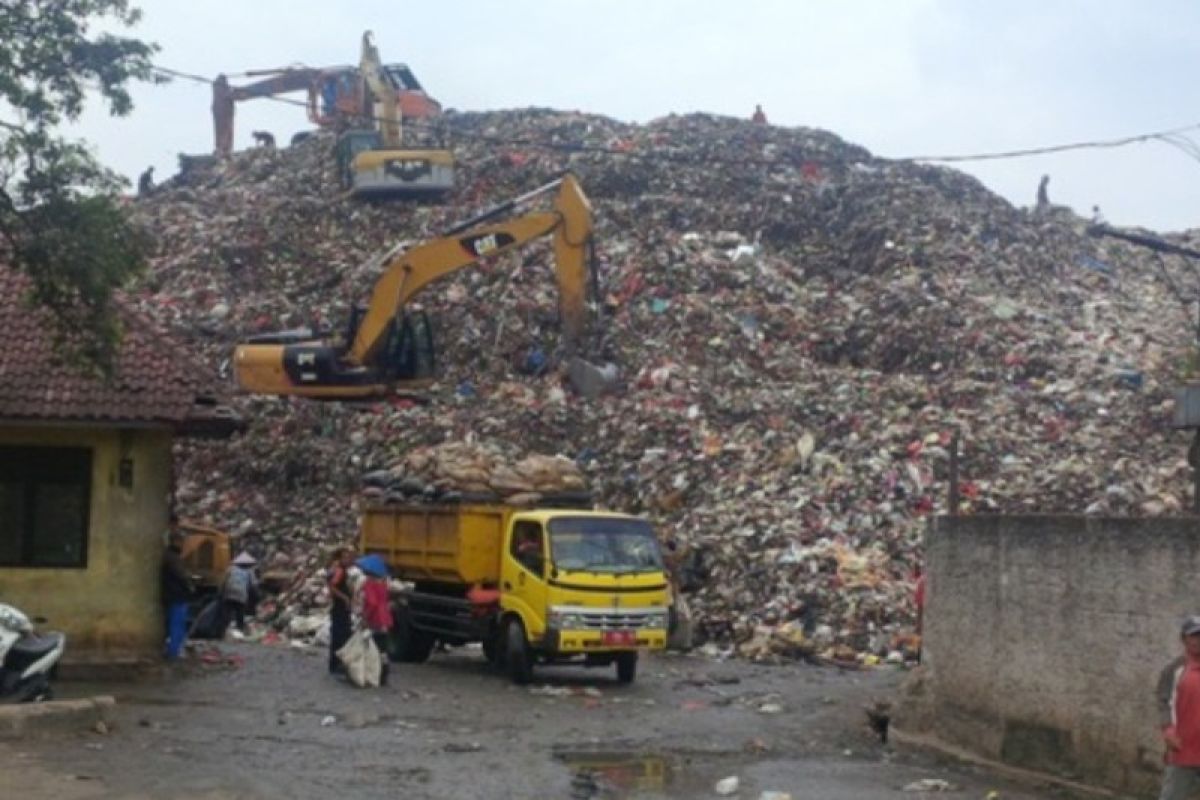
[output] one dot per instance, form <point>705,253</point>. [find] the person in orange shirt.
<point>1179,716</point>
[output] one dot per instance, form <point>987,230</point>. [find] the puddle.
<point>601,775</point>
<point>631,774</point>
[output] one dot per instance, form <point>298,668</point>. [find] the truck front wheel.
<point>492,647</point>
<point>516,653</point>
<point>627,666</point>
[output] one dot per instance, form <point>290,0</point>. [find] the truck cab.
<point>584,583</point>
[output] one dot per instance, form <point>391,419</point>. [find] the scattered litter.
<point>930,785</point>
<point>727,786</point>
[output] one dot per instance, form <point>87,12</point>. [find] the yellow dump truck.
<point>532,585</point>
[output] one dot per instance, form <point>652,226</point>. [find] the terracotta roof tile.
<point>156,381</point>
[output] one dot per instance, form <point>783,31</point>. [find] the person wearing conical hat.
<point>237,589</point>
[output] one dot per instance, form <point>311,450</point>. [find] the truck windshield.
<point>600,544</point>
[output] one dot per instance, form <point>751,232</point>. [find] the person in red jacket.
<point>1179,715</point>
<point>377,617</point>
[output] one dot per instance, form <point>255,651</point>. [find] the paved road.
<point>274,725</point>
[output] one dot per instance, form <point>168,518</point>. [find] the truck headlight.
<point>658,619</point>
<point>565,620</point>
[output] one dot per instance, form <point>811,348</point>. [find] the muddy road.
<point>268,722</point>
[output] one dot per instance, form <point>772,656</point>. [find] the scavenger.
<point>238,590</point>
<point>339,604</point>
<point>176,590</point>
<point>1179,716</point>
<point>376,608</point>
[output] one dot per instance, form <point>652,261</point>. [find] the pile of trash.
<point>800,331</point>
<point>469,472</point>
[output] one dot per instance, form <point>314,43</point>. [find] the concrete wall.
<point>1044,637</point>
<point>110,609</point>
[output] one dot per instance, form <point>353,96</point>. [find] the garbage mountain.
<point>800,328</point>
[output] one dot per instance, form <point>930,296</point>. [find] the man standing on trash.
<point>1179,716</point>
<point>176,591</point>
<point>339,604</point>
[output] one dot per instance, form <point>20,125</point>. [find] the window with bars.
<point>45,496</point>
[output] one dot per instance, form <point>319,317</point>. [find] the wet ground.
<point>268,722</point>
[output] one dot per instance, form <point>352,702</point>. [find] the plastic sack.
<point>362,659</point>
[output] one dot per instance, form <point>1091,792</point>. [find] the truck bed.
<point>443,544</point>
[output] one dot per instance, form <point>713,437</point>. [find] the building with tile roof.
<point>86,476</point>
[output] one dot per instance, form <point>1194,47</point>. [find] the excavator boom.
<point>378,358</point>
<point>337,96</point>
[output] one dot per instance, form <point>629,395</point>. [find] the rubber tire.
<point>627,667</point>
<point>398,635</point>
<point>517,658</point>
<point>420,646</point>
<point>493,648</point>
<point>409,645</point>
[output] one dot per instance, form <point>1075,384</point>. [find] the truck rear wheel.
<point>516,653</point>
<point>627,667</point>
<point>409,644</point>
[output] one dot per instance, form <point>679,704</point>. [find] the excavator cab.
<point>297,358</point>
<point>368,169</point>
<point>409,354</point>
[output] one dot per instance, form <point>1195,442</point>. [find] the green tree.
<point>61,221</point>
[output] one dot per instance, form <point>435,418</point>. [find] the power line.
<point>1140,138</point>
<point>1175,137</point>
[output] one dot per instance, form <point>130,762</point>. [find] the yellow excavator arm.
<point>381,97</point>
<point>382,352</point>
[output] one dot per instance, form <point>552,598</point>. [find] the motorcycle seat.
<point>29,649</point>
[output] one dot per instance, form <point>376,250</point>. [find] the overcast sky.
<point>901,77</point>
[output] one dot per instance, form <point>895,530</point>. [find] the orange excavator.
<point>337,97</point>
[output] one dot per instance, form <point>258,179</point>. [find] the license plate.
<point>620,638</point>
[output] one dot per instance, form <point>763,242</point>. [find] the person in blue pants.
<point>177,590</point>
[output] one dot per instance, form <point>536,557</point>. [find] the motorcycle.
<point>28,659</point>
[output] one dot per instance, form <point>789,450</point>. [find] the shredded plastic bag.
<point>362,659</point>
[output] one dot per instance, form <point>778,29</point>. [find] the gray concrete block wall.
<point>1044,636</point>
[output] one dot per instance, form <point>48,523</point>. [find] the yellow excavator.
<point>386,349</point>
<point>367,106</point>
<point>374,161</point>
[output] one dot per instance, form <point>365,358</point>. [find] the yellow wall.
<point>110,609</point>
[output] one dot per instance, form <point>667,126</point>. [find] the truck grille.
<point>616,621</point>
